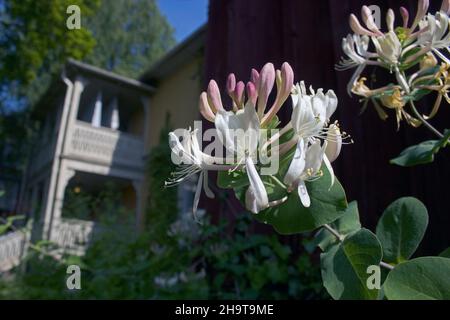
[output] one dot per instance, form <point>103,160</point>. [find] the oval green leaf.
<point>327,205</point>
<point>424,278</point>
<point>344,266</point>
<point>401,229</point>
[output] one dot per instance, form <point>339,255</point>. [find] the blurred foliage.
<point>161,208</point>
<point>175,258</point>
<point>217,265</point>
<point>90,205</point>
<point>35,36</point>
<point>130,36</point>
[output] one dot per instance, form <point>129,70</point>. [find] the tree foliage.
<point>35,37</point>
<point>128,43</point>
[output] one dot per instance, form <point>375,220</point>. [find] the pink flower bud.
<point>214,98</point>
<point>369,20</point>
<point>239,94</point>
<point>251,93</point>
<point>265,86</point>
<point>285,82</point>
<point>287,77</point>
<point>445,7</point>
<point>358,28</point>
<point>231,84</point>
<point>405,16</point>
<point>205,108</point>
<point>255,78</point>
<point>422,8</point>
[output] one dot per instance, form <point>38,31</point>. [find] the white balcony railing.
<point>105,145</point>
<point>12,248</point>
<point>72,233</point>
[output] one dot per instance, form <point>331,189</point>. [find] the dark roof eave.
<point>109,76</point>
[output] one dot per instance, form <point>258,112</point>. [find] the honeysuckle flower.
<point>396,101</point>
<point>256,198</point>
<point>388,47</point>
<point>311,111</point>
<point>427,33</point>
<point>239,133</point>
<point>239,126</point>
<point>428,61</point>
<point>305,166</point>
<point>191,161</point>
<point>334,142</point>
<point>309,116</point>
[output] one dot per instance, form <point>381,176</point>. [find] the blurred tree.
<point>124,36</point>
<point>35,36</point>
<point>130,35</point>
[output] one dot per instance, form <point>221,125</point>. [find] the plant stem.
<point>425,122</point>
<point>401,78</point>
<point>341,237</point>
<point>334,232</point>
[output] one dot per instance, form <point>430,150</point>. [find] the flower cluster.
<point>249,131</point>
<point>411,51</point>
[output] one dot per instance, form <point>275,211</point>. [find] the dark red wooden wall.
<point>248,33</point>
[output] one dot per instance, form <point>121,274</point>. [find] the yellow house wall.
<point>177,95</point>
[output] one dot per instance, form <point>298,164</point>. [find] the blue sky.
<point>184,15</point>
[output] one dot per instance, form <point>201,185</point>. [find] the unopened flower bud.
<point>390,19</point>
<point>231,84</point>
<point>334,142</point>
<point>265,86</point>
<point>205,108</point>
<point>445,7</point>
<point>239,94</point>
<point>251,93</point>
<point>405,16</point>
<point>214,98</point>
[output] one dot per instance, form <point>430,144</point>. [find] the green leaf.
<point>401,229</point>
<point>424,278</point>
<point>349,222</point>
<point>327,205</point>
<point>445,253</point>
<point>229,180</point>
<point>421,153</point>
<point>344,266</point>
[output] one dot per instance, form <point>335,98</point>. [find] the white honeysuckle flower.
<point>356,49</point>
<point>311,112</point>
<point>256,198</point>
<point>305,166</point>
<point>334,139</point>
<point>435,33</point>
<point>239,133</point>
<point>427,33</point>
<point>192,160</point>
<point>388,47</point>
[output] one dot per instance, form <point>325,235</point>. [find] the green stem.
<point>425,122</point>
